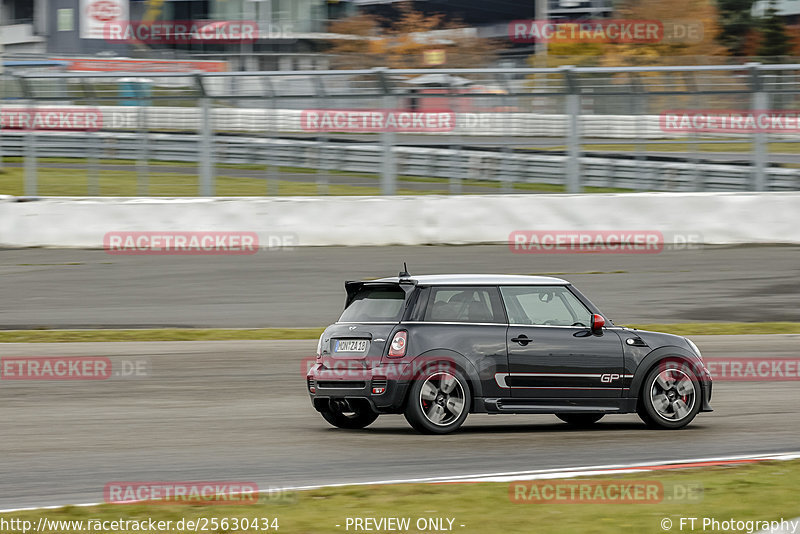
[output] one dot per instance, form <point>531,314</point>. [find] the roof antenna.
<point>404,273</point>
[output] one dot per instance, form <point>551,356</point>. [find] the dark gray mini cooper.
<point>439,347</point>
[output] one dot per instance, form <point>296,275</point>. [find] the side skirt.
<point>497,405</point>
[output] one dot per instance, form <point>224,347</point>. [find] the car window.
<point>464,305</point>
<point>544,305</point>
<point>375,304</point>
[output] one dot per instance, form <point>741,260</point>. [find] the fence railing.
<point>639,128</point>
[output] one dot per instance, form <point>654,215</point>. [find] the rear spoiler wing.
<point>352,287</point>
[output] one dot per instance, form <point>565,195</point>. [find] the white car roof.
<point>480,279</point>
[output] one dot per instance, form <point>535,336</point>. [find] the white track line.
<point>568,472</point>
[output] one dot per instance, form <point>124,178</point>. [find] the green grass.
<point>766,491</point>
<point>659,145</point>
<point>156,334</point>
<point>700,146</point>
<point>696,329</point>
<point>75,182</point>
<point>227,334</point>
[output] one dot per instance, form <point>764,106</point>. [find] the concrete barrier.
<point>712,218</point>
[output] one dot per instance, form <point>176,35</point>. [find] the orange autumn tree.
<point>675,51</point>
<point>698,48</point>
<point>368,41</point>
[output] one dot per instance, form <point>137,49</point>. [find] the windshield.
<point>375,304</point>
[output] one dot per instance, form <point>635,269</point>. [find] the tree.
<point>673,48</point>
<point>736,24</point>
<point>370,41</point>
<point>774,39</point>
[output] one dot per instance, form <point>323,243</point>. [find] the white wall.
<point>314,221</point>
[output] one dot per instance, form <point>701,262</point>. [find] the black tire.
<point>580,419</point>
<point>452,405</point>
<point>361,417</point>
<point>657,404</point>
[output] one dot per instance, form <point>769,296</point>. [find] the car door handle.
<point>522,339</point>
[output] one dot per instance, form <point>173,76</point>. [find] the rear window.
<point>375,304</point>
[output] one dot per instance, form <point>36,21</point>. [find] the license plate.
<point>350,345</point>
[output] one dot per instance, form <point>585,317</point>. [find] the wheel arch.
<point>462,363</point>
<point>654,358</point>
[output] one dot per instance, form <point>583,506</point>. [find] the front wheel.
<point>670,398</point>
<point>350,417</point>
<point>580,419</point>
<point>438,402</point>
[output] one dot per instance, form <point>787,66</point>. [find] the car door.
<point>468,320</point>
<point>552,352</point>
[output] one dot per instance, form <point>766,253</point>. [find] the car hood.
<point>655,340</point>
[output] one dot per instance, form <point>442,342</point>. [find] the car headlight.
<point>694,348</point>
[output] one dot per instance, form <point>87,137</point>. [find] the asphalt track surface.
<point>304,286</point>
<point>238,411</point>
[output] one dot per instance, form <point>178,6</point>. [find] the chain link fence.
<point>382,131</point>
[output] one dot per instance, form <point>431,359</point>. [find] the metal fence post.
<point>206,144</point>
<point>572,178</point>
<point>637,109</point>
<point>759,102</point>
<point>31,178</point>
<point>30,187</point>
<point>323,178</point>
<point>2,93</point>
<point>272,125</point>
<point>388,162</point>
<point>92,170</point>
<point>142,172</point>
<point>455,185</point>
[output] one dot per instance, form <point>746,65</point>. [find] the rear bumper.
<point>378,387</point>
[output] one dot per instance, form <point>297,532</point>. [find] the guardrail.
<point>514,108</point>
<point>454,164</point>
<point>271,121</point>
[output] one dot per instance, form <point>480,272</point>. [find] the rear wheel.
<point>580,419</point>
<point>438,402</point>
<point>342,414</point>
<point>670,398</point>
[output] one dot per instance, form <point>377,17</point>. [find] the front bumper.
<point>706,385</point>
<point>379,387</point>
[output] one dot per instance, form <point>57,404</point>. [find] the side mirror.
<point>598,322</point>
